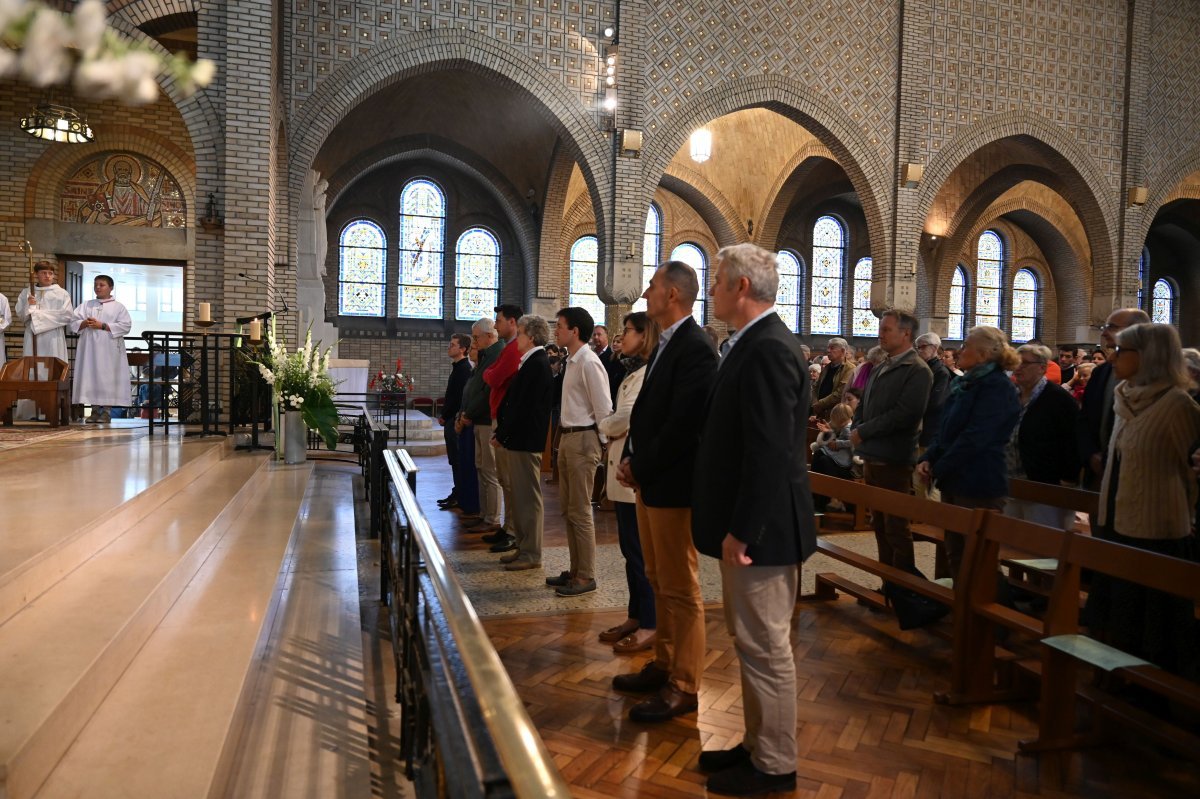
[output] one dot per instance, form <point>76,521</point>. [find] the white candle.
<point>255,329</point>
<point>205,312</point>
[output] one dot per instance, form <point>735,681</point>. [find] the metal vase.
<point>295,438</point>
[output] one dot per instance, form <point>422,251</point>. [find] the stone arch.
<point>435,50</point>
<point>460,159</point>
<point>139,12</point>
<point>713,206</point>
<point>550,260</point>
<point>1173,187</point>
<point>780,198</point>
<point>869,175</point>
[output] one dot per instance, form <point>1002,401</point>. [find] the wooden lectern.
<point>18,380</point>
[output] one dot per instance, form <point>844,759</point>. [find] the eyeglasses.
<point>1112,326</point>
<point>1119,350</point>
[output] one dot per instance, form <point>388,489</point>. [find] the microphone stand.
<point>253,279</point>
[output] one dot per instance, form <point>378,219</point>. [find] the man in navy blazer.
<point>660,449</point>
<point>753,510</point>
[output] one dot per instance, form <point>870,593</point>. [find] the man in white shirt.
<point>585,401</point>
<point>101,366</point>
<point>46,315</point>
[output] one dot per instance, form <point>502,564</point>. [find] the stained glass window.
<point>422,230</point>
<point>477,274</point>
<point>989,266</point>
<point>694,257</point>
<point>955,328</point>
<point>1024,306</point>
<point>828,262</point>
<point>865,322</point>
<point>362,268</point>
<point>1143,276</point>
<point>585,266</point>
<point>651,244</point>
<point>787,299</point>
<point>1162,309</point>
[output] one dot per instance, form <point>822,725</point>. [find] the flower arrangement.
<point>46,47</point>
<point>300,381</point>
<point>392,383</point>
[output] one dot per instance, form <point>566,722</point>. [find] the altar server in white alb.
<point>101,367</point>
<point>5,321</point>
<point>46,316</point>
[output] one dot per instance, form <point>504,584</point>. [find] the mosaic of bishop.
<point>122,196</point>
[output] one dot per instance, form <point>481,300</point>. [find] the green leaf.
<point>321,414</point>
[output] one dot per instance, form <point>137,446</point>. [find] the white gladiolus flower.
<point>99,77</point>
<point>90,18</point>
<point>8,59</point>
<point>44,57</point>
<point>203,72</point>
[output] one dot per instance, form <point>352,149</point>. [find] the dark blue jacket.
<point>967,457</point>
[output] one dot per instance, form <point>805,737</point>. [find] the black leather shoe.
<point>559,581</point>
<point>650,678</point>
<point>721,759</point>
<point>667,704</point>
<point>494,538</point>
<point>504,546</point>
<point>745,780</point>
<point>447,504</point>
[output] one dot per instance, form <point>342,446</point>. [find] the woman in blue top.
<point>967,458</point>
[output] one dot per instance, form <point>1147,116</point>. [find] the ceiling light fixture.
<point>701,145</point>
<point>57,123</point>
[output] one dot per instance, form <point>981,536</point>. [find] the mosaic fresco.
<point>123,189</point>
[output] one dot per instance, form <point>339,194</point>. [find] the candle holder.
<point>255,342</point>
<point>204,326</point>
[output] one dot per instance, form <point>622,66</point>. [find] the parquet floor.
<point>868,726</point>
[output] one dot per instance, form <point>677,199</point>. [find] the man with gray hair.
<point>478,412</point>
<point>834,379</point>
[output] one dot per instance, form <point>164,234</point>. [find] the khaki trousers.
<point>758,613</point>
<point>506,489</point>
<point>489,481</point>
<point>525,471</point>
<point>671,567</point>
<point>578,458</point>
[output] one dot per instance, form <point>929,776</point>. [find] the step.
<point>112,486</point>
<point>65,650</point>
<point>162,728</point>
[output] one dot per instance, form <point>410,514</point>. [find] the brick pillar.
<point>1133,168</point>
<point>207,283</point>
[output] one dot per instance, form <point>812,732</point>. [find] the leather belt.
<point>577,429</point>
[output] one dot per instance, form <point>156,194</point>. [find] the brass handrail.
<point>527,761</point>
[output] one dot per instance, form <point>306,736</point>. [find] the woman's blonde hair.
<point>1160,354</point>
<point>840,416</point>
<point>992,343</point>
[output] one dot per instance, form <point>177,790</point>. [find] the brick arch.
<point>558,180</point>
<point>869,175</point>
<point>431,51</point>
<point>139,12</point>
<point>789,183</point>
<point>1173,187</point>
<point>708,201</point>
<point>454,156</point>
<point>46,178</point>
<point>1084,184</point>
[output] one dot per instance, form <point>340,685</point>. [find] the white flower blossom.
<point>44,56</point>
<point>203,72</point>
<point>10,10</point>
<point>90,20</point>
<point>99,77</point>
<point>8,59</point>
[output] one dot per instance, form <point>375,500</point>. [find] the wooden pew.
<point>1064,654</point>
<point>19,380</point>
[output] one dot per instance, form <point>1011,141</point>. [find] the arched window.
<point>1162,309</point>
<point>694,257</point>
<point>1143,277</point>
<point>651,247</point>
<point>787,299</point>
<point>585,265</point>
<point>477,274</point>
<point>422,232</point>
<point>989,267</point>
<point>828,262</point>
<point>955,328</point>
<point>865,322</point>
<point>362,269</point>
<point>1024,306</point>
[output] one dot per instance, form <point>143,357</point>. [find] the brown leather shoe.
<point>669,703</point>
<point>614,634</point>
<point>651,678</point>
<point>630,644</point>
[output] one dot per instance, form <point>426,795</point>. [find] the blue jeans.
<point>466,480</point>
<point>641,595</point>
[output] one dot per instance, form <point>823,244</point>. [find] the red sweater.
<point>499,375</point>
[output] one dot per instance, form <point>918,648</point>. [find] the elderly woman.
<point>522,422</point>
<point>834,379</point>
<point>1042,447</point>
<point>636,633</point>
<point>862,373</point>
<point>1147,496</point>
<point>966,458</point>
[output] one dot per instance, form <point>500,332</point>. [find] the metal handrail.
<point>527,761</point>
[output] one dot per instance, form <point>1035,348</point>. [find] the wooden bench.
<point>1065,653</point>
<point>19,380</point>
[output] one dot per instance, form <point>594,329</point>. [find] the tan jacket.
<point>824,405</point>
<point>616,427</point>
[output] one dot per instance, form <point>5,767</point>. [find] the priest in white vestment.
<point>101,366</point>
<point>5,321</point>
<point>46,316</point>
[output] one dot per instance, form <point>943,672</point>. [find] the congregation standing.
<point>703,444</point>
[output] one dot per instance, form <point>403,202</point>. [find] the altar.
<point>350,375</point>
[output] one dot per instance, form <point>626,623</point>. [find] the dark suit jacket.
<point>524,414</point>
<point>751,477</point>
<point>616,372</point>
<point>459,373</point>
<point>1046,439</point>
<point>932,420</point>
<point>1091,415</point>
<point>664,427</point>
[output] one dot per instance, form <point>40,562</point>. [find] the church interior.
<point>179,618</point>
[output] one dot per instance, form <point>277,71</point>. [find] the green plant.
<point>300,381</point>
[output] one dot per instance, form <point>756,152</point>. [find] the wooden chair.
<point>422,404</point>
<point>18,380</point>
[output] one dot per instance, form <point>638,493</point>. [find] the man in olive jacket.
<point>886,426</point>
<point>478,413</point>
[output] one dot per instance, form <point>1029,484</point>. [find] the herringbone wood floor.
<point>868,726</point>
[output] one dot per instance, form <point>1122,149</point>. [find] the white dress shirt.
<point>586,398</point>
